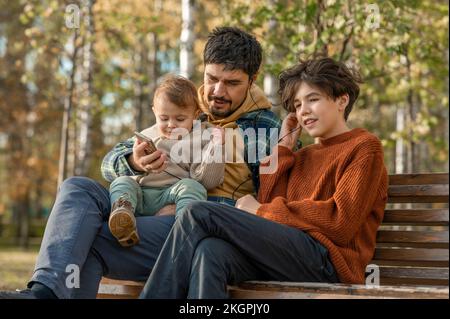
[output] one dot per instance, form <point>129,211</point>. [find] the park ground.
<point>16,266</point>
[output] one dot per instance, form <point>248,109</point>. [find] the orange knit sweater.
<point>336,192</point>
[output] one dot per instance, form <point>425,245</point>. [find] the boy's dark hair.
<point>178,90</point>
<point>234,48</point>
<point>331,77</point>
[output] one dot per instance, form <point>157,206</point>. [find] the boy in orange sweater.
<point>316,217</point>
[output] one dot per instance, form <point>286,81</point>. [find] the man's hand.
<point>167,210</point>
<point>141,162</point>
<point>287,135</point>
<point>248,203</point>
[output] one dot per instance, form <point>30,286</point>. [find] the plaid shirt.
<point>115,162</point>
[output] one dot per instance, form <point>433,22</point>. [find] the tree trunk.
<point>270,80</point>
<point>271,91</point>
<point>187,39</point>
<point>23,209</point>
<point>38,198</point>
<point>68,101</point>
<point>146,65</point>
<point>139,61</point>
<point>445,112</point>
<point>154,74</point>
<point>86,101</point>
<point>72,140</point>
<point>412,156</point>
<point>21,152</point>
<point>400,143</point>
<point>153,69</point>
<point>17,103</point>
<point>319,28</point>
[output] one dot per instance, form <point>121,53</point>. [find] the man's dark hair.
<point>331,77</point>
<point>234,48</point>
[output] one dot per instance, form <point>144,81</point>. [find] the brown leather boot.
<point>122,223</point>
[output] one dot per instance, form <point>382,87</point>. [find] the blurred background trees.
<point>76,77</point>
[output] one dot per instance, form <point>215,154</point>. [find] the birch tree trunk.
<point>187,39</point>
<point>400,143</point>
<point>86,101</point>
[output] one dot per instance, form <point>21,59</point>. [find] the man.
<point>230,100</point>
<point>77,239</point>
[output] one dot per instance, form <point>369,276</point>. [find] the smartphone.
<point>150,145</point>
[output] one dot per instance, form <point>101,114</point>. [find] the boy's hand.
<point>218,135</point>
<point>287,135</point>
<point>248,203</point>
<point>140,161</point>
<point>167,210</point>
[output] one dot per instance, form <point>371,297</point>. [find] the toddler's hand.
<point>218,135</point>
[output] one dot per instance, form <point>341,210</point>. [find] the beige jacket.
<point>191,157</point>
<point>235,173</point>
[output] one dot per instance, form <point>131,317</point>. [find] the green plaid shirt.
<point>115,162</point>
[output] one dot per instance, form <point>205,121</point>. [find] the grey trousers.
<point>212,245</point>
<point>78,248</point>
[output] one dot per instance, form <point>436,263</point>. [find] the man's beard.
<point>219,113</point>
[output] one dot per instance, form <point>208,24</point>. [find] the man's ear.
<point>253,79</point>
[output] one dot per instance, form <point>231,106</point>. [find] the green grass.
<point>16,267</point>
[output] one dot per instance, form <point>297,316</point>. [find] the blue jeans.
<point>77,237</point>
<point>212,245</point>
<point>149,200</point>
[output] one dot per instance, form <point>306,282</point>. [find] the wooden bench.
<point>411,254</point>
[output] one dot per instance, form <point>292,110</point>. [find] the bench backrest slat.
<point>431,239</point>
<point>416,217</point>
<point>428,193</point>
<point>418,179</point>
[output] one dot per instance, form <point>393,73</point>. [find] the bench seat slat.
<point>341,289</point>
<point>119,291</point>
<point>239,293</point>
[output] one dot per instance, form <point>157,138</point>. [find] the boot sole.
<point>123,226</point>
